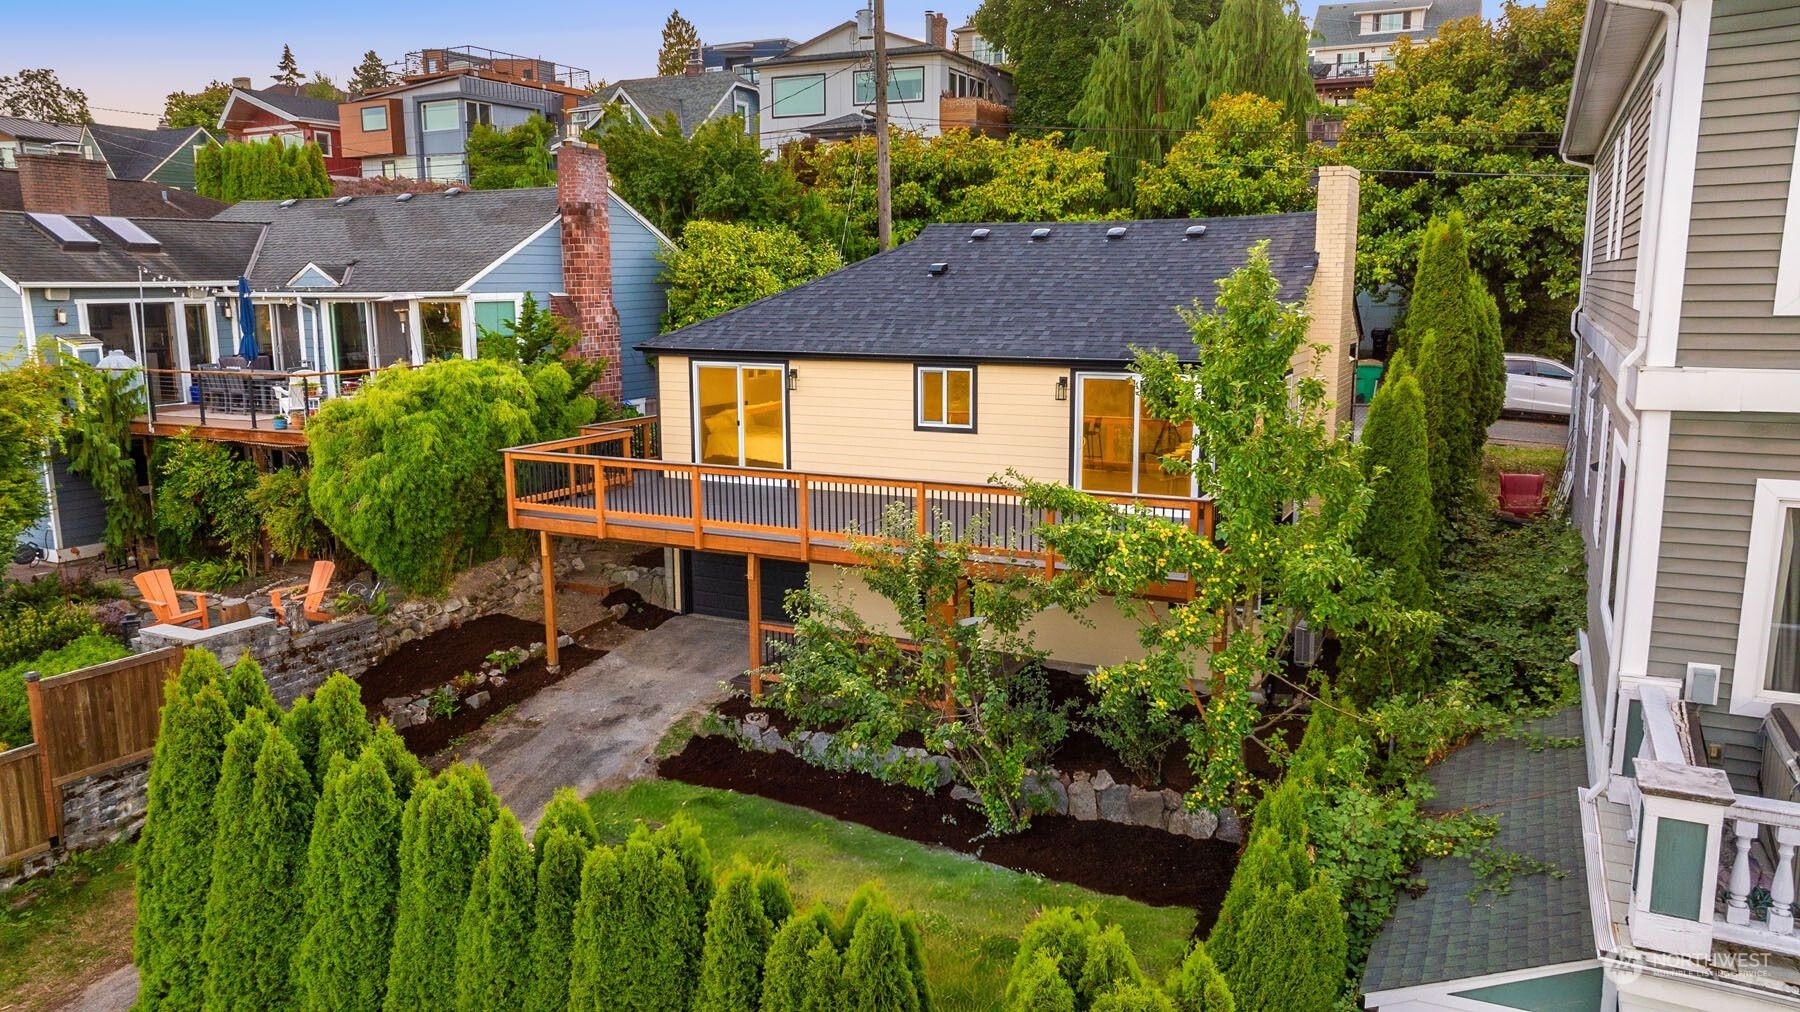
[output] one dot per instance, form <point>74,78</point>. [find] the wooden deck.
<point>218,426</point>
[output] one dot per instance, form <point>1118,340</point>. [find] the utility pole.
<point>884,198</point>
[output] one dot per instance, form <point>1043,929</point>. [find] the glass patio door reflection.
<point>740,415</point>
<point>1122,445</point>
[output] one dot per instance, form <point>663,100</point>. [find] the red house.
<point>283,112</point>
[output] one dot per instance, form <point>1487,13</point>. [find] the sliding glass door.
<point>740,415</point>
<point>1122,446</point>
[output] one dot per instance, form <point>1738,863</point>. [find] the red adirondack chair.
<point>1522,495</point>
<point>164,601</point>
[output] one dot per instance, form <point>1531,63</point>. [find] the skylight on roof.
<point>129,233</point>
<point>67,234</point>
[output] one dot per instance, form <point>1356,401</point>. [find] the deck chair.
<point>164,601</point>
<point>314,601</point>
<point>1522,495</point>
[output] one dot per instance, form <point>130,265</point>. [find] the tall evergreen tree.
<point>1039,986</point>
<point>494,941</point>
<point>258,906</point>
<point>352,879</point>
<point>739,931</point>
<point>1139,997</point>
<point>301,725</point>
<point>679,37</point>
<point>793,978</point>
<point>641,920</point>
<point>1130,105</point>
<point>222,945</point>
<point>1399,531</point>
<point>174,856</point>
<point>246,689</point>
<point>560,853</point>
<point>1197,986</point>
<point>443,833</point>
<point>597,976</point>
<point>370,75</point>
<point>343,723</point>
<point>287,71</point>
<point>403,768</point>
<point>1460,369</point>
<point>565,811</point>
<point>1293,950</point>
<point>877,975</point>
<point>1256,46</point>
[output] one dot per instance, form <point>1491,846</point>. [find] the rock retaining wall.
<point>97,810</point>
<point>1088,797</point>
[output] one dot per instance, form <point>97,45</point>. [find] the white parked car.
<point>1539,385</point>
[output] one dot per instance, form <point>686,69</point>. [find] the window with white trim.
<point>1768,651</point>
<point>945,397</point>
<point>323,140</point>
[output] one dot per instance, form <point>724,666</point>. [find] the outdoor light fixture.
<point>61,316</point>
<point>1062,388</point>
<point>793,379</point>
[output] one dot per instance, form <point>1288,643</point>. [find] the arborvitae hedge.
<point>1197,986</point>
<point>443,833</point>
<point>1039,987</point>
<point>640,925</point>
<point>403,768</point>
<point>1401,528</point>
<point>343,723</point>
<point>1091,960</point>
<point>739,930</point>
<point>567,811</point>
<point>352,880</point>
<point>789,978</point>
<point>494,940</point>
<point>223,947</point>
<point>301,725</point>
<point>560,854</point>
<point>174,858</point>
<point>878,976</point>
<point>246,689</point>
<point>596,974</point>
<point>1138,997</point>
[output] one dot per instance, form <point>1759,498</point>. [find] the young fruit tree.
<point>1290,499</point>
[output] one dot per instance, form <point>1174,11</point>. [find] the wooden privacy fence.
<point>85,722</point>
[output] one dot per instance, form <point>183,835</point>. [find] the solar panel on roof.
<point>128,232</point>
<point>68,234</point>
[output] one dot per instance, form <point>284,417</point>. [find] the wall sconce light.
<point>793,379</point>
<point>61,316</point>
<point>1062,388</point>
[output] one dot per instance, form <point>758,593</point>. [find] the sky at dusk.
<point>128,54</point>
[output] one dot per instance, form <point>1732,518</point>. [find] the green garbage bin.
<point>1368,374</point>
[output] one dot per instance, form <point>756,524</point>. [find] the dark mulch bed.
<point>639,613</point>
<point>1143,864</point>
<point>422,665</point>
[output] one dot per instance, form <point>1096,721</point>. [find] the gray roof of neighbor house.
<point>1543,919</point>
<point>294,104</point>
<point>130,198</point>
<point>134,153</point>
<point>691,99</point>
<point>1338,24</point>
<point>32,130</point>
<point>1074,296</point>
<point>191,250</point>
<point>433,242</point>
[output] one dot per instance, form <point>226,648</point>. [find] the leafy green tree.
<point>679,38</point>
<point>30,419</point>
<point>281,500</point>
<point>1049,45</point>
<point>1459,364</point>
<point>174,856</point>
<point>351,882</point>
<point>1131,105</point>
<point>1197,985</point>
<point>1240,158</point>
<point>1290,502</point>
<point>1040,987</point>
<point>540,337</point>
<point>254,911</point>
<point>287,69</point>
<point>323,88</point>
<point>494,939</point>
<point>739,930</point>
<point>343,723</point>
<point>443,834</point>
<point>37,94</point>
<point>719,267</point>
<point>560,853</point>
<point>98,440</point>
<point>1471,123</point>
<point>407,474</point>
<point>1257,47</point>
<point>514,158</point>
<point>203,502</point>
<point>196,108</point>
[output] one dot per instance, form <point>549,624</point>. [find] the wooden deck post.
<point>40,733</point>
<point>547,558</point>
<point>753,585</point>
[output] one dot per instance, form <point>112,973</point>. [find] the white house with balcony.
<point>1351,40</point>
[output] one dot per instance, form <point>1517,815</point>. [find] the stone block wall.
<point>97,810</point>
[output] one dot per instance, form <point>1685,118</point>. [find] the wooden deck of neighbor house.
<point>604,484</point>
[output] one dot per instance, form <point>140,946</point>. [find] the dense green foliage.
<point>514,158</point>
<point>1131,104</point>
<point>1239,158</point>
<point>203,502</point>
<point>371,74</point>
<point>719,267</point>
<point>443,834</point>
<point>283,502</point>
<point>352,878</point>
<point>407,474</point>
<point>748,907</point>
<point>196,108</point>
<point>540,337</point>
<point>225,949</point>
<point>494,938</point>
<point>1048,45</point>
<point>102,405</point>
<point>37,94</point>
<point>679,40</point>
<point>245,689</point>
<point>560,853</point>
<point>343,727</point>
<point>84,650</point>
<point>260,170</point>
<point>1198,986</point>
<point>174,865</point>
<point>30,417</point>
<point>1513,600</point>
<point>31,628</point>
<point>1257,47</point>
<point>1470,123</point>
<point>640,923</point>
<point>1068,960</point>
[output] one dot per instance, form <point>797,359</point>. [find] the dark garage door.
<point>717,585</point>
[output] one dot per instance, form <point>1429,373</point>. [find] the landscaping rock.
<point>565,640</point>
<point>818,744</point>
<point>478,700</point>
<point>946,769</point>
<point>1230,829</point>
<point>1047,790</point>
<point>1171,800</point>
<point>962,793</point>
<point>1199,825</point>
<point>774,742</point>
<point>1144,808</point>
<point>1082,803</point>
<point>1113,803</point>
<point>498,681</point>
<point>1103,780</point>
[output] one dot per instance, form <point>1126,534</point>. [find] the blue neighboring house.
<point>337,285</point>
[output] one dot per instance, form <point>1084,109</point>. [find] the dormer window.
<point>1392,21</point>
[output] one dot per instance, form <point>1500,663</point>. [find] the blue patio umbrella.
<point>247,348</point>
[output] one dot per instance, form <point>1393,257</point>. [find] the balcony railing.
<point>218,398</point>
<point>601,484</point>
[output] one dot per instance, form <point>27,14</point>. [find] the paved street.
<point>1533,431</point>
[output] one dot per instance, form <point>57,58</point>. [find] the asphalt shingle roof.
<point>134,153</point>
<point>191,251</point>
<point>1338,24</point>
<point>1543,920</point>
<point>1076,296</point>
<point>691,99</point>
<point>297,105</point>
<point>130,199</point>
<point>431,243</point>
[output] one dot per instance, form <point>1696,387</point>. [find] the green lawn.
<point>59,934</point>
<point>1497,457</point>
<point>971,912</point>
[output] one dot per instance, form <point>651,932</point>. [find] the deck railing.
<point>595,484</point>
<point>184,397</point>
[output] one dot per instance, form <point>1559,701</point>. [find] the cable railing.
<point>233,397</point>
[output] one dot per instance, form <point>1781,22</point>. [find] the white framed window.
<point>482,113</point>
<point>905,84</point>
<point>944,397</point>
<point>434,116</point>
<point>1767,667</point>
<point>799,95</point>
<point>323,140</point>
<point>1598,463</point>
<point>374,118</point>
<point>741,106</point>
<point>292,140</point>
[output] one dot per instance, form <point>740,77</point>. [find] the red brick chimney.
<point>581,199</point>
<point>937,29</point>
<point>63,184</point>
